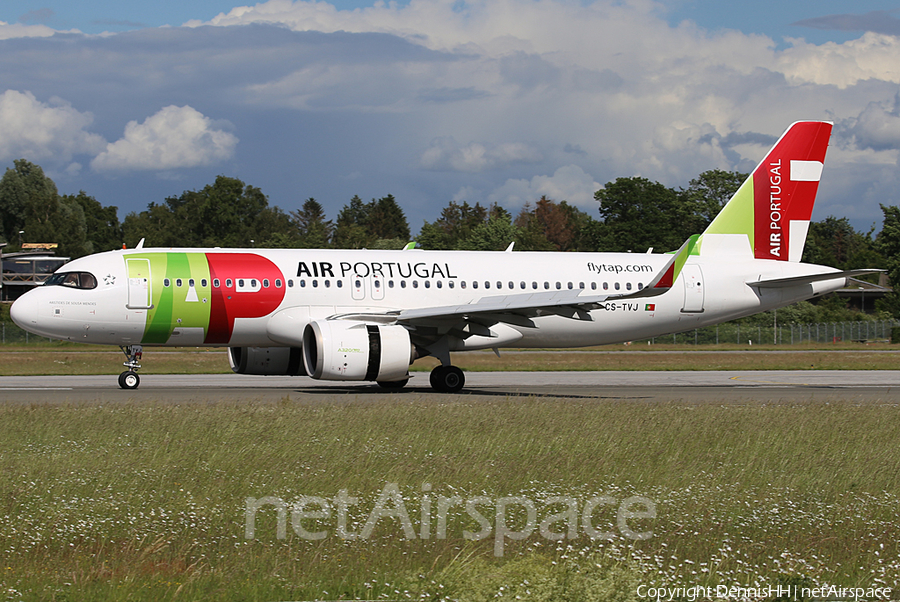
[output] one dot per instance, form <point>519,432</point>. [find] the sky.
<point>490,101</point>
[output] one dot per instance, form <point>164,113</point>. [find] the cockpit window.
<point>83,280</point>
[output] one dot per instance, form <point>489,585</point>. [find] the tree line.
<point>633,214</point>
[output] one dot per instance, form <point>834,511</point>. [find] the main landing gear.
<point>447,379</point>
<point>130,379</point>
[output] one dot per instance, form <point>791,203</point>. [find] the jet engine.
<point>348,350</point>
<point>269,361</point>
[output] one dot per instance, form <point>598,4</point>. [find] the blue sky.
<point>437,100</point>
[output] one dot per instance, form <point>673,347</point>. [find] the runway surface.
<point>876,386</point>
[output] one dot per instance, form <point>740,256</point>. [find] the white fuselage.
<point>217,297</point>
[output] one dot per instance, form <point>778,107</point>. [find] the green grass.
<point>146,501</point>
<point>70,358</point>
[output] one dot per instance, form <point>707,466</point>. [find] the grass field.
<point>147,501</point>
<point>68,358</point>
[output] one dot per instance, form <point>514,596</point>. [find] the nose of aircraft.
<point>24,312</point>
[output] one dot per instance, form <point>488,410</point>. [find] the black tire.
<point>448,379</point>
<point>129,380</point>
<point>434,378</point>
<point>393,384</point>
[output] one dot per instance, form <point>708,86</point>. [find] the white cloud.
<point>444,154</point>
<point>569,183</point>
<point>41,131</point>
<point>173,138</point>
<point>19,30</point>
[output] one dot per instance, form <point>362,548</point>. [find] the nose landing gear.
<point>130,379</point>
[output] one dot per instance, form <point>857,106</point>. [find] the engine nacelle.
<point>347,350</point>
<point>269,361</point>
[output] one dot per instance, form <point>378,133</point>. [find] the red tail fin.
<point>774,205</point>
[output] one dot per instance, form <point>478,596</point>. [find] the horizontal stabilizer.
<point>810,278</point>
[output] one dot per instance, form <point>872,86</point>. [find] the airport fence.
<point>783,334</point>
<point>729,332</point>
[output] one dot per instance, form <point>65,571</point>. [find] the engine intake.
<point>268,361</point>
<point>348,350</point>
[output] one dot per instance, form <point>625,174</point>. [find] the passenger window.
<point>628,286</point>
<point>167,282</point>
<point>403,284</point>
<point>216,282</point>
<point>581,285</point>
<point>415,284</point>
<point>266,283</point>
<point>203,282</point>
<point>462,284</point>
<point>428,284</point>
<point>291,283</point>
<point>617,286</point>
<point>558,285</point>
<point>640,286</point>
<point>450,284</point>
<point>240,283</point>
<point>606,286</point>
<point>340,283</point>
<point>570,286</point>
<point>315,283</point>
<point>499,285</point>
<point>593,286</point>
<point>178,282</point>
<point>228,282</point>
<point>278,283</point>
<point>328,284</point>
<point>534,285</point>
<point>191,282</point>
<point>546,285</point>
<point>474,284</point>
<point>302,283</point>
<point>487,284</point>
<point>253,283</point>
<point>390,284</point>
<point>440,284</point>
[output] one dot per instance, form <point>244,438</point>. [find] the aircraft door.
<point>694,292</point>
<point>139,284</point>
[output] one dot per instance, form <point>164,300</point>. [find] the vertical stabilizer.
<point>774,205</point>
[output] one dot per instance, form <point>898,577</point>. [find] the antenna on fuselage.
<point>140,244</point>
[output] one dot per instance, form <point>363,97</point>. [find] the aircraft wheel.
<point>393,384</point>
<point>129,380</point>
<point>447,379</point>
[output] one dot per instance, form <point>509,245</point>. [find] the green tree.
<point>495,234</point>
<point>834,242</point>
<point>103,228</point>
<point>29,201</point>
<point>453,226</point>
<point>351,232</point>
<point>314,230</point>
<point>709,192</point>
<point>385,219</point>
<point>638,214</point>
<point>888,244</point>
<point>227,213</point>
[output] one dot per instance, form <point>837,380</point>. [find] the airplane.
<point>367,315</point>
